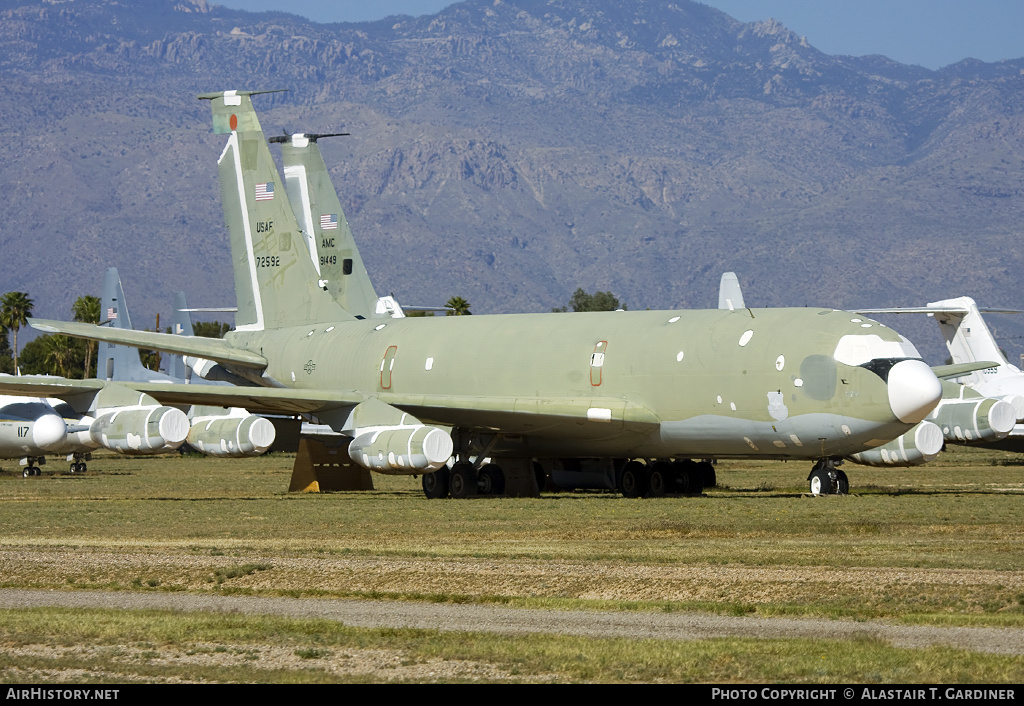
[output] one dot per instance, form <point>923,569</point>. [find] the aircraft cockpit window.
<point>882,366</point>
<point>861,349</point>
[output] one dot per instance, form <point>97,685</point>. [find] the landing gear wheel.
<point>492,480</point>
<point>661,479</point>
<point>633,481</point>
<point>26,473</point>
<point>842,483</point>
<point>821,482</point>
<point>695,479</point>
<point>707,471</point>
<point>435,485</point>
<point>540,475</point>
<point>463,481</point>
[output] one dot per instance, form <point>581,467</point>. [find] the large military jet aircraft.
<point>498,393</point>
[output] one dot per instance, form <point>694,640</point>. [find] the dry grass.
<point>937,544</point>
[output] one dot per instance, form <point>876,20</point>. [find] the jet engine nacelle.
<point>140,429</point>
<point>1018,404</point>
<point>231,436</point>
<point>402,450</point>
<point>919,445</point>
<point>974,419</point>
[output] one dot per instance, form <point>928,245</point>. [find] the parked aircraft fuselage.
<point>704,383</point>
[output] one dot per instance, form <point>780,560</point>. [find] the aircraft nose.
<point>913,390</point>
<point>49,431</point>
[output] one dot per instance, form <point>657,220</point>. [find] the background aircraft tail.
<point>969,339</point>
<point>275,281</point>
<point>114,362</point>
<point>181,324</point>
<point>331,245</point>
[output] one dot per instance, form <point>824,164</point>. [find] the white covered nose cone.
<point>913,390</point>
<point>49,431</point>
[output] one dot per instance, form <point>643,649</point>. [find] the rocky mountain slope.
<point>510,151</point>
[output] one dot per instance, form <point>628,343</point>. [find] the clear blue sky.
<point>932,33</point>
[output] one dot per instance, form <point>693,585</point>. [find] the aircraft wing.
<point>512,415</point>
<point>935,310</point>
<point>269,400</point>
<point>209,348</point>
<point>945,372</point>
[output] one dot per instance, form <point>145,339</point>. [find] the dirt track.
<point>513,621</point>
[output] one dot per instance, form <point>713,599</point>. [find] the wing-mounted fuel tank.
<point>387,440</point>
<point>919,445</point>
<point>234,434</point>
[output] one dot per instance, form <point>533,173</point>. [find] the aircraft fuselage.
<point>707,383</point>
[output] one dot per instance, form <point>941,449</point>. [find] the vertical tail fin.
<point>331,245</point>
<point>969,339</point>
<point>115,362</point>
<point>181,324</point>
<point>275,282</point>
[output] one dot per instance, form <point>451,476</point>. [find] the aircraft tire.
<point>540,475</point>
<point>633,481</point>
<point>463,483</point>
<point>435,485</point>
<point>660,480</point>
<point>695,480</point>
<point>842,483</point>
<point>492,480</point>
<point>707,471</point>
<point>26,473</point>
<point>820,482</point>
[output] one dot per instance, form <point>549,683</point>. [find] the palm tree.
<point>60,350</point>
<point>457,307</point>
<point>87,310</point>
<point>15,308</point>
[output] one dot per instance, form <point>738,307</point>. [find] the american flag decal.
<point>111,313</point>
<point>265,192</point>
<point>329,221</point>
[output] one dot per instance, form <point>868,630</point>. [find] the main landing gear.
<point>659,478</point>
<point>78,462</point>
<point>464,480</point>
<point>31,464</point>
<point>827,479</point>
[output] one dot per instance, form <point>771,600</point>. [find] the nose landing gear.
<point>827,479</point>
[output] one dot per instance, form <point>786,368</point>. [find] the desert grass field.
<point>938,545</point>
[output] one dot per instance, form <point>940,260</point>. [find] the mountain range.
<point>510,151</point>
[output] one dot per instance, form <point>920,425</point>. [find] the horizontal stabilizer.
<point>197,346</point>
